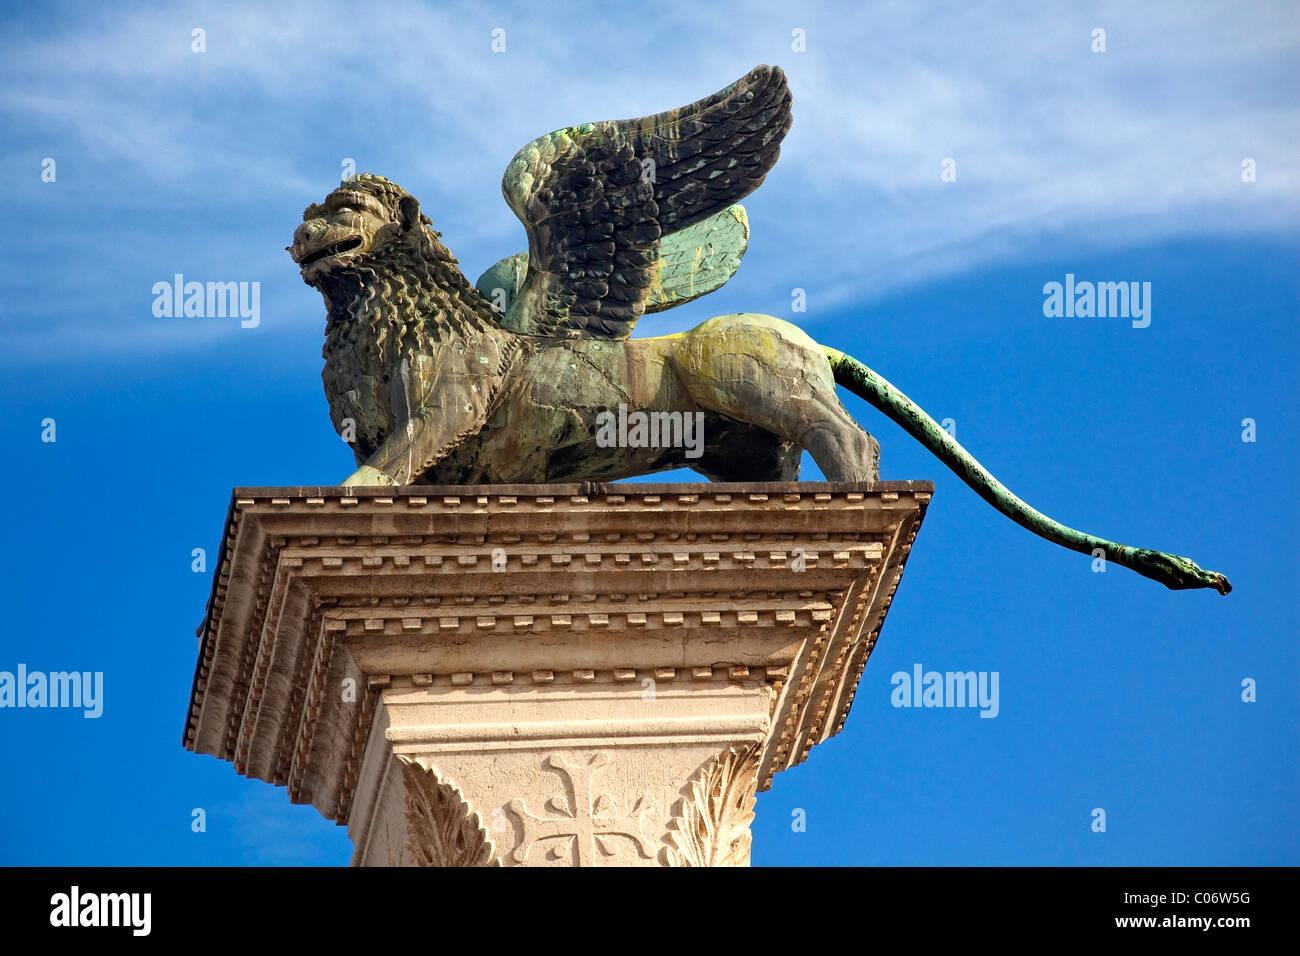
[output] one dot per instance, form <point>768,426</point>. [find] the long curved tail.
<point>1169,569</point>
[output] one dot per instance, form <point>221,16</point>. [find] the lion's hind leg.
<point>734,451</point>
<point>767,373</point>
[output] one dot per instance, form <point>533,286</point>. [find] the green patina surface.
<point>692,263</point>
<point>433,380</point>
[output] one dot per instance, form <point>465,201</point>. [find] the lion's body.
<point>545,424</point>
<point>429,387</point>
<point>485,405</point>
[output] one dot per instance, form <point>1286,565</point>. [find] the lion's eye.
<point>349,201</point>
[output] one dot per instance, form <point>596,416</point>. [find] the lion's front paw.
<point>367,477</point>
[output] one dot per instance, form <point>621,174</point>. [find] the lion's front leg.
<point>412,448</point>
<point>438,398</point>
<point>368,477</point>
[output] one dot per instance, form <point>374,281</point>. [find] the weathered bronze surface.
<point>532,377</point>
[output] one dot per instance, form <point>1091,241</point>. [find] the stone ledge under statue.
<point>576,674</point>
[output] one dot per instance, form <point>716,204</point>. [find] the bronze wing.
<point>596,200</point>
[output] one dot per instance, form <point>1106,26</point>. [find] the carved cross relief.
<point>584,825</point>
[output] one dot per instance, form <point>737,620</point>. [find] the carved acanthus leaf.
<point>442,828</point>
<point>712,827</point>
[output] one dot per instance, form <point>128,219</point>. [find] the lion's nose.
<point>310,231</point>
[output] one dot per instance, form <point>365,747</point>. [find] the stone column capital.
<point>543,674</point>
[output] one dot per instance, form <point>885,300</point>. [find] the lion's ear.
<point>408,213</point>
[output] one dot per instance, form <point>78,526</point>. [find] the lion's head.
<point>355,225</point>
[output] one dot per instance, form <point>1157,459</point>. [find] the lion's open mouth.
<point>338,248</point>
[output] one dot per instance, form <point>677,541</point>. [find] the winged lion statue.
<point>518,379</point>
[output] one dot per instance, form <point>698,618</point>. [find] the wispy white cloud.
<point>212,155</point>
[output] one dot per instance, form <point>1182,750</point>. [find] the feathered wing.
<point>692,262</point>
<point>597,199</point>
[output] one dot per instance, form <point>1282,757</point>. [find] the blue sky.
<point>1117,166</point>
